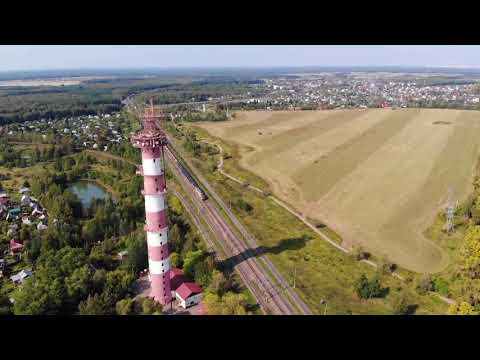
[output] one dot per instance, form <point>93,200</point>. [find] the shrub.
<point>245,206</point>
<point>424,284</point>
<point>366,289</point>
<point>151,307</point>
<point>401,305</point>
<point>358,253</point>
<point>124,307</point>
<point>440,285</point>
<point>386,267</point>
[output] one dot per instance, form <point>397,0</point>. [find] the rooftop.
<point>188,289</point>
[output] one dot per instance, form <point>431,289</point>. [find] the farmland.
<point>375,176</point>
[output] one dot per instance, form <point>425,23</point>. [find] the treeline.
<point>17,108</point>
<point>12,157</point>
<point>205,116</point>
<point>19,104</point>
<point>199,91</point>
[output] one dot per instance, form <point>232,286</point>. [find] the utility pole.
<point>450,211</point>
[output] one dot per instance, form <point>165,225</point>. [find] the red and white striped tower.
<point>151,141</point>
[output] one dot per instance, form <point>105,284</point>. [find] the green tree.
<point>218,283</point>
<point>203,274</point>
<point>470,253</point>
<point>213,303</point>
<point>151,307</point>
<point>117,283</point>
<point>137,259</point>
<point>5,306</point>
<point>78,284</point>
<point>235,303</point>
<point>175,238</point>
<point>385,266</point>
<point>229,304</point>
<point>191,259</point>
<point>94,305</point>
<point>124,307</point>
<point>39,296</point>
<point>99,279</point>
<point>358,253</point>
<point>245,206</point>
<point>175,260</point>
<point>366,289</point>
<point>424,284</point>
<point>401,305</point>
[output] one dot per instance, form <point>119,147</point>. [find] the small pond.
<point>88,191</point>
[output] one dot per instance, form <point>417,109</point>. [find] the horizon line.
<point>205,67</point>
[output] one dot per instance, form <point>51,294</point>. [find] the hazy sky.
<point>101,56</point>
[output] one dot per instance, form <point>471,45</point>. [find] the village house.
<point>16,247</point>
<point>176,279</point>
<point>188,294</point>
<point>20,277</point>
<point>13,214</point>
<point>3,209</point>
<point>3,198</point>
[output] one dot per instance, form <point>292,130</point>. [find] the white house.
<point>21,276</point>
<point>188,294</point>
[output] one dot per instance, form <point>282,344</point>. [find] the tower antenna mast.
<point>450,212</point>
<point>151,140</point>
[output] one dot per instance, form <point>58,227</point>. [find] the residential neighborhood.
<point>29,213</point>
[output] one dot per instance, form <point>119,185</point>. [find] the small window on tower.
<point>153,160</point>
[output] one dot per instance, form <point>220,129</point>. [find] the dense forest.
<point>19,104</point>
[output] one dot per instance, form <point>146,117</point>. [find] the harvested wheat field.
<point>376,176</point>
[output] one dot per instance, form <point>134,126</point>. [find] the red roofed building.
<point>188,294</point>
<point>15,247</point>
<point>176,279</point>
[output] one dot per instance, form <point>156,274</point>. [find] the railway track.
<point>268,295</point>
